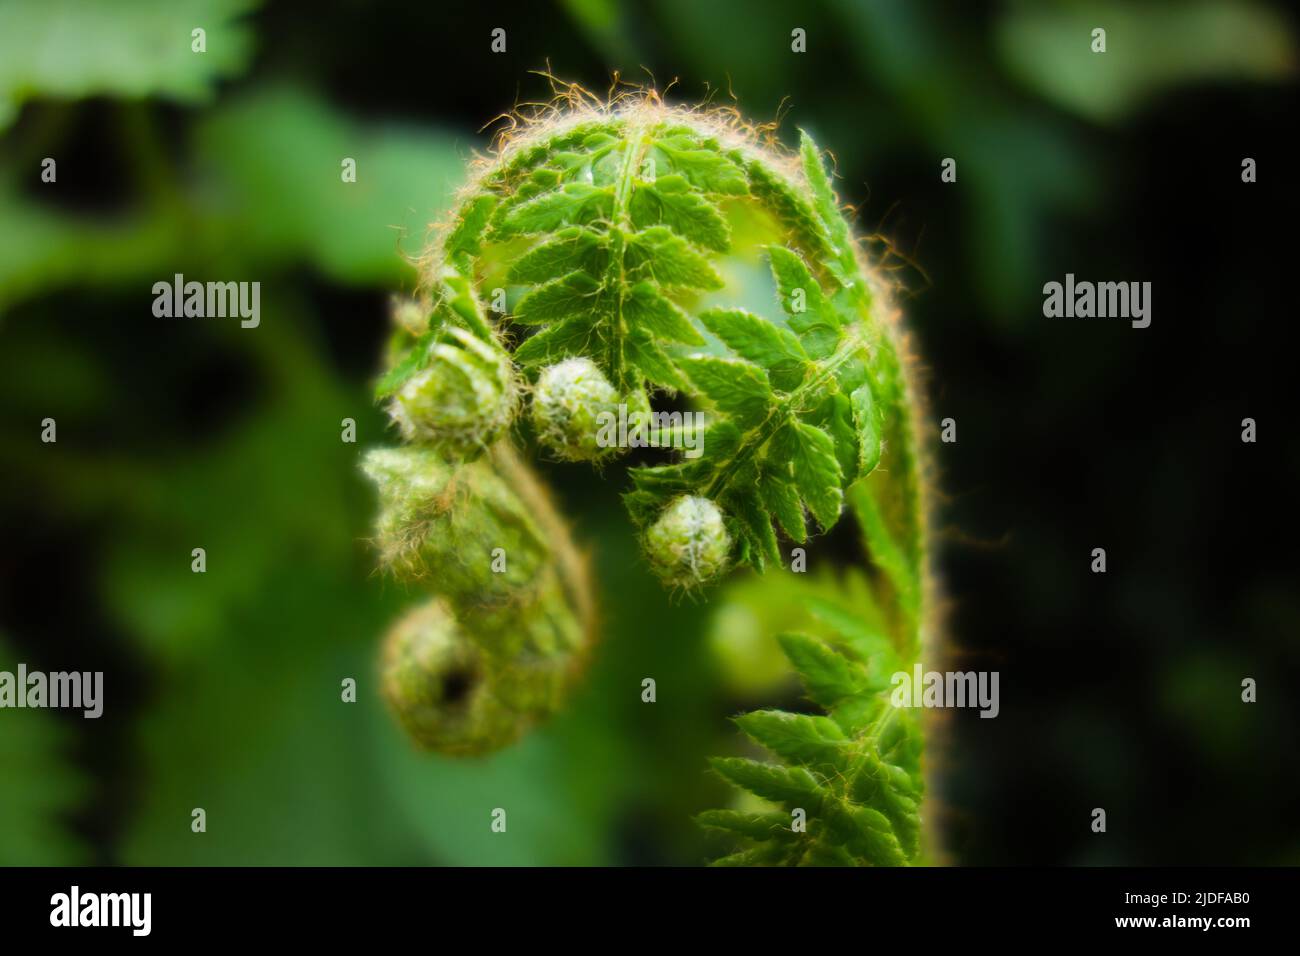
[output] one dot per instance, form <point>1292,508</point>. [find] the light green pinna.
<point>623,254</point>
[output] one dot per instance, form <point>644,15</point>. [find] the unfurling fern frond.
<point>607,235</point>
<point>634,258</point>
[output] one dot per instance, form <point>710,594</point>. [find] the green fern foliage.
<point>636,256</point>
<point>854,772</point>
<point>608,235</point>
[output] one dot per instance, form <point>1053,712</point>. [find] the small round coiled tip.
<point>462,402</point>
<point>433,680</point>
<point>689,545</point>
<point>573,402</point>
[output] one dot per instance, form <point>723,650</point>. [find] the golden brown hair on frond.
<point>573,103</point>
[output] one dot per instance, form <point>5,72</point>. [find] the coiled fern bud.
<point>459,526</point>
<point>434,678</point>
<point>463,398</point>
<point>471,682</point>
<point>497,648</point>
<point>570,402</point>
<point>642,259</point>
<point>688,544</point>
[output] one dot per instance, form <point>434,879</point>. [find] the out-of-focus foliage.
<point>1151,48</point>
<point>128,48</point>
<point>275,161</point>
<point>265,190</point>
<point>40,788</point>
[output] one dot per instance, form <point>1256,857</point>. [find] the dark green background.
<point>1118,691</point>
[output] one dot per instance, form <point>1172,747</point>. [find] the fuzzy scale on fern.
<point>608,255</point>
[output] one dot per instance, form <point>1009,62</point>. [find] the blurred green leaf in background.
<point>40,788</point>
<point>127,48</point>
<point>1151,48</point>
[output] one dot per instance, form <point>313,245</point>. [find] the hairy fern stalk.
<point>631,254</point>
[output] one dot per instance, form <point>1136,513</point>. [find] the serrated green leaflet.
<point>839,776</point>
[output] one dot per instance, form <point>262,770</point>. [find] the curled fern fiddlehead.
<point>497,646</point>
<point>608,257</point>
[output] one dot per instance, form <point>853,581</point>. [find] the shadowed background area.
<point>1119,690</point>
